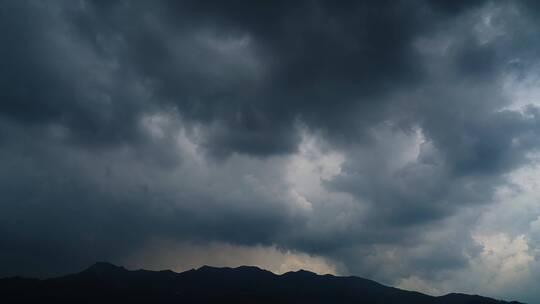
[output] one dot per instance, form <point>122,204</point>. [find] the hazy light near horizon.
<point>161,255</point>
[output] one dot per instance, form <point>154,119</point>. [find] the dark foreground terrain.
<point>107,283</point>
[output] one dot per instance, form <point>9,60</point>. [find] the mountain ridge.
<point>104,282</point>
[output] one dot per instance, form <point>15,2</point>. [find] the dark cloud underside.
<point>126,121</point>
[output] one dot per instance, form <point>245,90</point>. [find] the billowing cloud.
<point>395,140</point>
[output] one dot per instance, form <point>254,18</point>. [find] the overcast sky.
<point>393,140</point>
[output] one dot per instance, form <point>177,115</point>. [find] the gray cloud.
<point>371,134</point>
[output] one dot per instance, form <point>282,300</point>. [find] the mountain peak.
<point>104,267</point>
<point>108,283</point>
<point>301,272</point>
<point>205,268</point>
<point>239,268</point>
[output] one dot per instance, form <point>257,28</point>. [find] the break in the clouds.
<point>395,140</point>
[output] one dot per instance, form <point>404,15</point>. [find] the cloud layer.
<point>395,140</point>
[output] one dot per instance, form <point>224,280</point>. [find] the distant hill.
<point>107,283</point>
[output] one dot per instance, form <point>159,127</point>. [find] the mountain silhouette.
<point>108,283</point>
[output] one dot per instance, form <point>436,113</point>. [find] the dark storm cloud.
<point>320,62</point>
<point>50,76</point>
<point>94,93</point>
<point>65,206</point>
